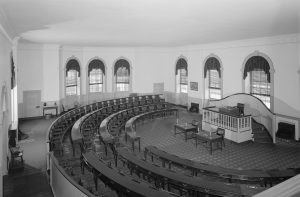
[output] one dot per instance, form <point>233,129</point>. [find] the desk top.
<point>50,107</point>
<point>199,183</point>
<point>185,126</point>
<point>127,182</point>
<point>207,135</point>
<point>218,170</point>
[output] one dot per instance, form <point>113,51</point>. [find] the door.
<point>32,103</point>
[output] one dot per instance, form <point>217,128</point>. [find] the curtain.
<point>121,63</point>
<point>257,63</point>
<point>73,65</point>
<point>96,64</point>
<point>181,64</point>
<point>212,63</point>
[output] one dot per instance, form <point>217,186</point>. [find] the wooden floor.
<point>248,155</point>
<point>32,181</point>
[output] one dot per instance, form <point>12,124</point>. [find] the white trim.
<point>287,188</point>
<point>6,34</point>
<point>114,88</point>
<point>2,29</point>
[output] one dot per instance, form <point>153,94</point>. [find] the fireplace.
<point>286,131</point>
<point>194,107</point>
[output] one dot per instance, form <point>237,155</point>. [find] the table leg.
<point>133,145</point>
<point>185,134</point>
<point>139,145</point>
<point>210,147</point>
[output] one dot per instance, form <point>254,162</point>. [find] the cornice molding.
<point>4,23</point>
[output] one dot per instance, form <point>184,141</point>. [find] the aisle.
<point>32,181</point>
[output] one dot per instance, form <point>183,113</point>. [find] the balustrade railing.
<point>212,115</point>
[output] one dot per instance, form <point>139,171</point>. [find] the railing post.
<point>238,125</point>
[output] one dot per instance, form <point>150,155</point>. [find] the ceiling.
<point>148,22</point>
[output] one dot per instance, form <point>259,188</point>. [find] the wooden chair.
<point>221,132</point>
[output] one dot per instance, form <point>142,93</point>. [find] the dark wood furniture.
<point>254,176</point>
<point>169,179</point>
<point>46,108</point>
<point>185,129</point>
<point>124,185</point>
<point>210,138</point>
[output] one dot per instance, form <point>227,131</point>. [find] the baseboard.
<point>31,118</point>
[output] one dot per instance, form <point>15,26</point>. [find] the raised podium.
<point>237,125</point>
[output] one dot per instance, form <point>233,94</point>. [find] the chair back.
<point>220,131</point>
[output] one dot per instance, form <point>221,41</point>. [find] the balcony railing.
<point>230,121</point>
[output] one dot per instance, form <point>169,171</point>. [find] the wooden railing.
<point>226,121</point>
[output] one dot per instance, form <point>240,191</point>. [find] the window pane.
<point>71,90</point>
<point>183,76</point>
<point>96,87</point>
<point>183,88</point>
<point>122,79</point>
<point>214,93</point>
<point>181,81</point>
<point>260,87</point>
<point>214,84</point>
<point>122,87</point>
<point>96,76</point>
<point>96,80</point>
<point>72,83</point>
<point>214,79</point>
<point>71,78</point>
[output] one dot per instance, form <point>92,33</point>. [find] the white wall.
<point>5,113</point>
<point>50,73</point>
<point>157,65</point>
<point>38,69</point>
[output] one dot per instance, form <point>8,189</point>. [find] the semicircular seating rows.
<point>107,121</point>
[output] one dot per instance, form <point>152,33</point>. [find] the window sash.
<point>96,80</point>
<point>214,79</point>
<point>260,87</point>
<point>72,82</point>
<point>122,79</point>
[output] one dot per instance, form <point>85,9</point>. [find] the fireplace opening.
<point>194,107</point>
<point>286,131</point>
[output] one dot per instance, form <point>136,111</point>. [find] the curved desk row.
<point>63,123</point>
<point>130,127</point>
<point>262,177</point>
<point>96,112</point>
<point>121,117</point>
<point>168,179</point>
<point>124,185</point>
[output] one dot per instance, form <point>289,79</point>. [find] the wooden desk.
<point>210,138</point>
<point>45,108</point>
<point>184,128</point>
<point>167,178</point>
<point>133,138</point>
<point>119,181</point>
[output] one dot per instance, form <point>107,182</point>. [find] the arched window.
<point>122,75</point>
<point>260,79</point>
<point>212,68</point>
<point>181,76</point>
<point>96,74</point>
<point>72,78</point>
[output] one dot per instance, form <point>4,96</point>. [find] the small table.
<point>45,108</point>
<point>184,128</point>
<point>208,137</point>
